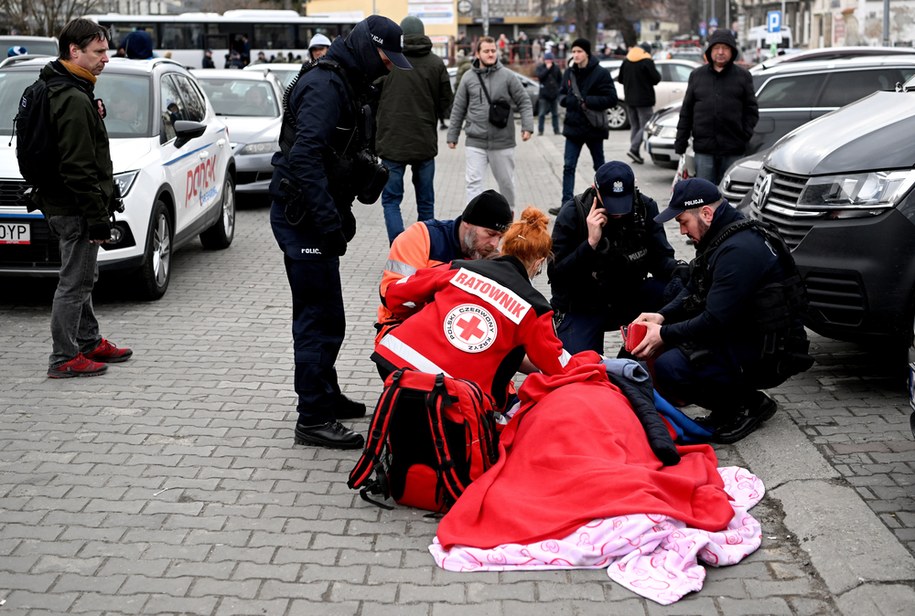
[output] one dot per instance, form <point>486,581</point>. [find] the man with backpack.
<point>63,153</point>
<point>325,162</point>
<point>612,260</point>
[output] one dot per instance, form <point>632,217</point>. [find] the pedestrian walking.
<point>587,87</point>
<point>485,100</point>
<point>639,76</point>
<point>550,78</point>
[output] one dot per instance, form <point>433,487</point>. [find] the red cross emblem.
<point>470,328</point>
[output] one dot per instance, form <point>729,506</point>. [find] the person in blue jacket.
<point>324,163</point>
<point>736,327</point>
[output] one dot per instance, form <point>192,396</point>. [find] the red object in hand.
<point>633,335</point>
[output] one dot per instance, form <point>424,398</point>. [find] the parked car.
<point>33,45</point>
<point>791,94</point>
<point>172,161</point>
<point>840,191</point>
<point>671,88</point>
<point>284,73</point>
<point>251,105</point>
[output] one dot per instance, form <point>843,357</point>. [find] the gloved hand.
<point>334,243</point>
<point>100,231</point>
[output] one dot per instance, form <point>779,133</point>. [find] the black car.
<point>839,189</point>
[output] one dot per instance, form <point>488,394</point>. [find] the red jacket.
<point>473,320</point>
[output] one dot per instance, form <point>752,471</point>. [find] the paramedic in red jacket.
<point>475,234</point>
<point>476,320</point>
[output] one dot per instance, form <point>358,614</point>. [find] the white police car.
<point>172,161</point>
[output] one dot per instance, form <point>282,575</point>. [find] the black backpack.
<point>36,144</point>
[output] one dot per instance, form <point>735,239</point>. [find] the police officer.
<point>324,164</point>
<point>606,244</point>
<point>736,326</point>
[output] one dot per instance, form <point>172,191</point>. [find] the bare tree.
<point>43,17</point>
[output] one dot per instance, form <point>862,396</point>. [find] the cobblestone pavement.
<point>171,485</point>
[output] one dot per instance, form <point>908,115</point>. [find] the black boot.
<point>349,409</point>
<point>757,408</point>
<point>332,435</point>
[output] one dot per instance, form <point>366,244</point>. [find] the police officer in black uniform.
<point>326,161</point>
<point>736,327</point>
<point>613,261</point>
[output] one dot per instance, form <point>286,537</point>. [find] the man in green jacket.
<point>411,104</point>
<point>75,197</point>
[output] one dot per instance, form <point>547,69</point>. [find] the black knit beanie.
<point>489,209</point>
<point>585,45</point>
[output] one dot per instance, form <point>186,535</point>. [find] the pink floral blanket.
<point>655,556</point>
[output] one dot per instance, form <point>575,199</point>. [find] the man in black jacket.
<point>719,109</point>
<point>412,103</point>
<point>325,162</point>
<point>639,75</point>
<point>595,92</point>
<point>612,260</point>
<point>550,78</point>
<point>736,327</point>
<point>74,196</point>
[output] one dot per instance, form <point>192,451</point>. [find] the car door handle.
<point>221,143</point>
<point>203,155</point>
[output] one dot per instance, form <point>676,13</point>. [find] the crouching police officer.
<point>736,326</point>
<point>606,244</point>
<point>324,164</point>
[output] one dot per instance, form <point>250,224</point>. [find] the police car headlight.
<point>264,147</point>
<point>125,181</point>
<point>862,192</point>
<point>668,132</point>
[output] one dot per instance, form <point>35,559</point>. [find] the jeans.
<point>712,167</point>
<point>638,118</point>
<point>392,196</point>
<point>502,164</point>
<point>545,106</point>
<point>74,328</point>
<point>570,161</point>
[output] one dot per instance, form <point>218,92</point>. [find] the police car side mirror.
<point>185,130</point>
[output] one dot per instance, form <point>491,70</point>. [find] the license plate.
<point>15,233</point>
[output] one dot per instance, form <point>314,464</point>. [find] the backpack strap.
<point>370,461</point>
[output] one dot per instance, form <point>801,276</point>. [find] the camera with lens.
<point>372,176</point>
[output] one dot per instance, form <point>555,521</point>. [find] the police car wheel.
<point>156,269</point>
<point>222,232</point>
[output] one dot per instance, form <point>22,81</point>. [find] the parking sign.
<point>774,21</point>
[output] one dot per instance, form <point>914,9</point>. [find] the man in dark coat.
<point>595,92</point>
<point>612,260</point>
<point>412,103</point>
<point>550,77</point>
<point>639,75</point>
<point>736,327</point>
<point>325,163</point>
<point>719,109</point>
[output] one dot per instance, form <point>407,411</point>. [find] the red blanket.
<point>576,452</point>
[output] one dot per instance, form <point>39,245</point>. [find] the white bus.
<point>758,45</point>
<point>186,36</point>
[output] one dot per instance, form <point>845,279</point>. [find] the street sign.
<point>774,21</point>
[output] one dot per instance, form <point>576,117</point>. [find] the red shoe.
<point>108,353</point>
<point>78,366</point>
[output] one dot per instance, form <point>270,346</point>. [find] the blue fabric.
<point>712,167</point>
<point>545,106</point>
<point>688,432</point>
<point>423,183</point>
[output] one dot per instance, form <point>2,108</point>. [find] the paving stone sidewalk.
<point>171,485</point>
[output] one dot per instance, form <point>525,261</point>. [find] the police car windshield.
<point>12,84</point>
